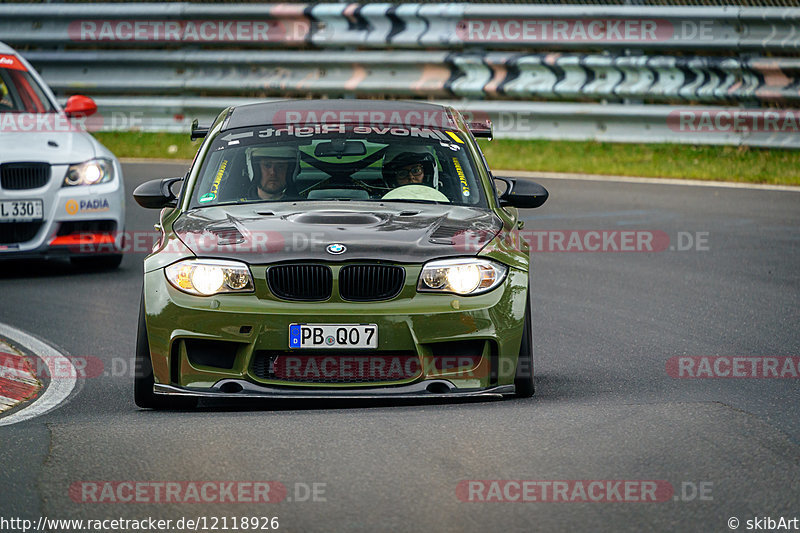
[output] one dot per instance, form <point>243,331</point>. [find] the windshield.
<point>19,92</point>
<point>338,162</point>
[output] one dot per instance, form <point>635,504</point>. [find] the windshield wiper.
<point>413,201</point>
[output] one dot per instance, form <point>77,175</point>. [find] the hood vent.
<point>335,218</point>
<point>445,234</point>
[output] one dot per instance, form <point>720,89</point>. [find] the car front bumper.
<point>76,220</point>
<point>424,328</point>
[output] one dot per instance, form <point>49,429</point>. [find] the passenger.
<point>409,168</point>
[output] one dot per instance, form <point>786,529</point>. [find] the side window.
<point>31,99</point>
<point>5,97</point>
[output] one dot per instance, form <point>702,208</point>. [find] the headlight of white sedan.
<point>89,173</point>
<point>206,277</point>
<point>467,276</point>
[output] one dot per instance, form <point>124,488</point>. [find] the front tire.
<point>143,380</point>
<point>524,378</point>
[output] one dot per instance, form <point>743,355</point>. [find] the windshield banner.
<point>8,61</point>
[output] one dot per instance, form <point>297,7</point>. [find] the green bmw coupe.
<point>336,248</point>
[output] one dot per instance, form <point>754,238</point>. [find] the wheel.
<point>143,380</point>
<point>523,380</point>
<point>100,262</point>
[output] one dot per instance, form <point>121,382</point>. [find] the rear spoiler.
<point>197,131</point>
<point>484,129</point>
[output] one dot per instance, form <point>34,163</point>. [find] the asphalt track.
<point>605,325</point>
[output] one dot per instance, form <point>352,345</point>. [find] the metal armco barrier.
<point>616,73</point>
<point>515,120</point>
<point>513,26</point>
<point>419,74</point>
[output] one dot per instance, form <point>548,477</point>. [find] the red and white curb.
<point>19,379</point>
<point>18,382</point>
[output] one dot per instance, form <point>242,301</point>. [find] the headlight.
<point>205,277</point>
<point>461,276</point>
<point>89,173</point>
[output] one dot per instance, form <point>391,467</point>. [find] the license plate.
<point>20,210</point>
<point>333,336</point>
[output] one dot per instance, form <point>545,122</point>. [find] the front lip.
<point>418,390</point>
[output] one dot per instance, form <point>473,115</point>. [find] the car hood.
<point>302,231</point>
<point>56,148</point>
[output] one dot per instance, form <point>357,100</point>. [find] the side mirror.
<point>522,193</point>
<point>156,194</point>
<point>198,132</point>
<point>483,129</point>
<point>79,105</point>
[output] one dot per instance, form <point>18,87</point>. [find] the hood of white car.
<point>46,146</point>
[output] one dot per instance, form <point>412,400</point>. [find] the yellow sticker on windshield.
<point>455,137</point>
<point>218,178</point>
<point>461,177</point>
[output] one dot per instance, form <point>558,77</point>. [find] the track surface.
<point>605,408</point>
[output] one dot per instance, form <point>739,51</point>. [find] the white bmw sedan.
<point>61,191</point>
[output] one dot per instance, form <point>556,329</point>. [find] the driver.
<point>409,168</point>
<point>273,169</point>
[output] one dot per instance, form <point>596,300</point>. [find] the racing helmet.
<point>277,154</point>
<point>404,159</point>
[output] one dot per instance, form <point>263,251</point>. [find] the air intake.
<point>18,232</point>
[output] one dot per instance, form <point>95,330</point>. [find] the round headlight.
<point>208,279</point>
<point>236,279</point>
<point>435,278</point>
<point>464,278</point>
<point>93,173</point>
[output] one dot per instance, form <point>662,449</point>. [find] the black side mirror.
<point>522,193</point>
<point>156,194</point>
<point>198,132</point>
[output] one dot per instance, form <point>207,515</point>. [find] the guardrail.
<point>577,70</point>
<point>527,26</point>
<point>425,74</point>
<point>515,120</point>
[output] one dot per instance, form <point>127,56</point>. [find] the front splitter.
<point>428,389</point>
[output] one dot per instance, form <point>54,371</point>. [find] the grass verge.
<point>718,163</point>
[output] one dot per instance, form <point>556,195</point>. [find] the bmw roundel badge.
<point>336,249</point>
